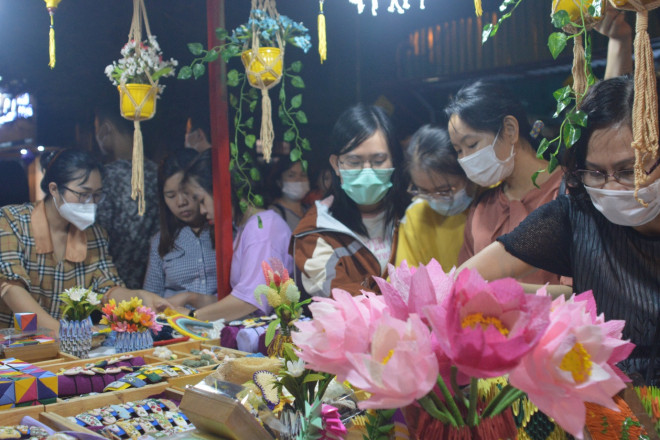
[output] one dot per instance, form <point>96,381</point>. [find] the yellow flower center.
<point>484,321</point>
<point>578,362</point>
<point>387,358</point>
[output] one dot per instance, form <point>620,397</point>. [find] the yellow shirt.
<point>425,234</point>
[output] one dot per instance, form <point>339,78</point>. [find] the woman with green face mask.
<point>350,236</point>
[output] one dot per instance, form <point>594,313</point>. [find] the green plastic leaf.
<point>313,377</point>
<point>296,101</point>
<point>486,32</point>
<point>232,78</point>
<point>198,70</point>
<point>385,429</point>
<point>570,134</point>
<point>297,82</point>
<point>255,174</point>
<point>553,164</point>
<point>289,135</point>
<point>233,149</point>
<point>195,48</point>
<point>250,122</point>
<point>259,201</point>
<point>301,117</point>
<point>560,19</point>
<point>185,73</point>
<point>229,52</point>
<point>270,332</point>
<point>244,206</point>
<point>282,95</point>
<point>246,157</point>
<point>221,33</point>
<point>280,113</point>
<point>561,105</point>
<point>295,155</point>
<point>563,93</point>
<point>231,165</point>
<point>296,66</point>
<point>253,105</point>
<point>557,43</point>
<point>536,175</point>
<point>250,140</point>
<point>542,148</point>
<point>211,56</point>
<point>578,117</point>
<point>304,164</point>
<point>304,143</point>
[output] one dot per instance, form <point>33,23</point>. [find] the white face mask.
<point>484,168</point>
<point>295,190</point>
<point>81,215</point>
<point>621,208</point>
<point>458,204</point>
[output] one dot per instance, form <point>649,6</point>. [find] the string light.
<point>399,6</point>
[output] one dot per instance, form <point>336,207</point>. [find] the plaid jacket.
<point>27,258</point>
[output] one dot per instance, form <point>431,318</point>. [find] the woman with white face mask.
<point>350,236</point>
<point>291,185</point>
<point>598,233</point>
<point>54,244</point>
<point>495,143</point>
<point>434,222</point>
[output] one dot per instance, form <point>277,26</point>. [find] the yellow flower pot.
<point>572,7</point>
<point>270,72</point>
<point>141,96</point>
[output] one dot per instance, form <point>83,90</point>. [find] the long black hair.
<point>67,165</point>
<point>170,226</point>
<point>483,106</point>
<point>430,150</point>
<point>607,103</point>
<point>354,126</point>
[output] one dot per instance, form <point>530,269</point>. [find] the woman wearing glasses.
<point>598,233</point>
<point>490,132</point>
<point>434,222</point>
<point>350,236</point>
<point>54,244</point>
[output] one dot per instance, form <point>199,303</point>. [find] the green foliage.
<point>379,424</point>
<point>306,387</point>
<point>491,29</point>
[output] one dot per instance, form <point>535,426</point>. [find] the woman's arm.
<point>494,262</point>
<point>620,44</point>
<point>19,300</point>
<point>228,308</point>
<point>193,299</point>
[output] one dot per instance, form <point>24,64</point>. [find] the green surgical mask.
<point>367,186</point>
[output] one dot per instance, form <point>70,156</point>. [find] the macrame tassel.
<point>645,106</point>
<point>323,45</point>
<point>51,42</point>
<point>267,134</point>
<point>477,8</point>
<point>137,177</point>
<point>579,75</point>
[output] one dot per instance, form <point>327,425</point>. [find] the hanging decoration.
<point>399,6</point>
<point>645,106</point>
<point>477,8</point>
<point>51,5</point>
<point>263,66</point>
<point>323,45</point>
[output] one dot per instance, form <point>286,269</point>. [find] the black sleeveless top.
<point>568,236</point>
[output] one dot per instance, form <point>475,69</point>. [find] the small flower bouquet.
<point>129,316</point>
<point>283,296</point>
<point>138,66</point>
<point>432,339</point>
<point>79,303</point>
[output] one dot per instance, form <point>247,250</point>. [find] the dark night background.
<point>362,61</point>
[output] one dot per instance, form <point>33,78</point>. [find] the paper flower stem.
<point>438,402</point>
<point>458,393</point>
<point>451,403</point>
<point>429,407</point>
<point>504,398</point>
<point>472,416</point>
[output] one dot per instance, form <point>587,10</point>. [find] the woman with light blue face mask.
<point>350,236</point>
<point>434,222</point>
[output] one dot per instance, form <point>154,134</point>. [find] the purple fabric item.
<point>228,336</point>
<point>254,243</point>
<point>262,344</point>
<point>83,384</point>
<point>248,338</point>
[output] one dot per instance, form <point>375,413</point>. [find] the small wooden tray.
<point>33,353</point>
<point>13,416</point>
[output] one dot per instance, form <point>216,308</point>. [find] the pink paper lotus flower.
<point>573,363</point>
<point>410,290</point>
<point>341,325</point>
<point>399,367</point>
<point>485,328</point>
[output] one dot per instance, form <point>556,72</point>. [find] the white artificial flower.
<point>295,368</point>
<point>93,298</point>
<point>75,293</point>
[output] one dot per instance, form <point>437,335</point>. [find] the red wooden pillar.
<point>215,17</point>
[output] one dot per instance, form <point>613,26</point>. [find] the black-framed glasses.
<point>351,162</point>
<point>653,167</point>
<point>595,178</point>
<point>438,195</point>
<point>96,197</point>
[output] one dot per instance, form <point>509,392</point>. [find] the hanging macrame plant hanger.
<point>264,72</point>
<point>135,34</point>
<point>645,106</point>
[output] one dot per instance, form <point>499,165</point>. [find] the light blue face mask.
<point>367,186</point>
<point>459,203</point>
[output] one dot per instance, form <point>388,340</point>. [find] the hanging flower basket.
<point>138,103</point>
<point>267,66</point>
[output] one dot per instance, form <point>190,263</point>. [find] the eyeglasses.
<point>597,179</point>
<point>351,162</point>
<point>438,195</point>
<point>96,197</point>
